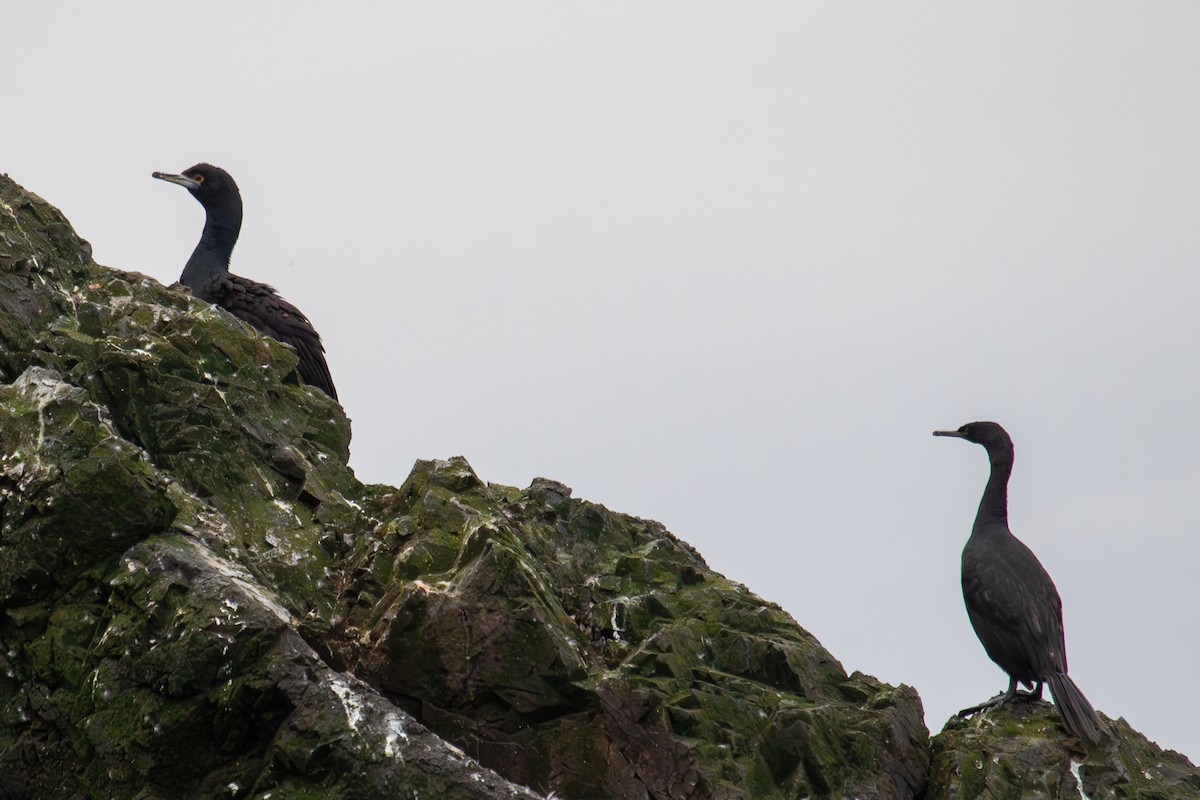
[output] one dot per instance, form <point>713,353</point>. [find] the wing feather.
<point>262,307</point>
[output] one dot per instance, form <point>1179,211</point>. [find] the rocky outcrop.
<point>170,515</point>
<point>200,600</point>
<point>596,655</point>
<point>1021,751</point>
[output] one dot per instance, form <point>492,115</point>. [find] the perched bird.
<point>1012,603</point>
<point>207,274</point>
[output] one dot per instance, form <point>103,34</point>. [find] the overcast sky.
<point>724,265</point>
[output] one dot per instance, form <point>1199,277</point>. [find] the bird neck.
<point>222,224</point>
<point>993,506</point>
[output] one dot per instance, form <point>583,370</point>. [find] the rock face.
<point>1021,751</point>
<point>200,600</point>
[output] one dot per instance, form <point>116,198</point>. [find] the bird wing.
<point>1014,607</point>
<point>262,307</point>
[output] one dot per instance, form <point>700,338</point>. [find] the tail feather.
<point>1078,716</point>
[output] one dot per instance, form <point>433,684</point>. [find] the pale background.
<point>725,265</point>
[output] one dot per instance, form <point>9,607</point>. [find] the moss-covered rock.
<point>198,599</point>
<point>173,508</point>
<point>1021,752</point>
<point>595,654</point>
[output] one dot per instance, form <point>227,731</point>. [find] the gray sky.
<point>724,265</point>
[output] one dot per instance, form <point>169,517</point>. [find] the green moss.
<point>525,610</point>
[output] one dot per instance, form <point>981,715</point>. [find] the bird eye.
<point>198,178</point>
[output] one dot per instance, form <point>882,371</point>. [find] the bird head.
<point>989,434</point>
<point>208,184</point>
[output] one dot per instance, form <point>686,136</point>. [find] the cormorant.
<point>207,274</point>
<point>1012,603</point>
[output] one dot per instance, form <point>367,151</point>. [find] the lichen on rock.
<point>1020,751</point>
<point>172,508</point>
<point>597,655</point>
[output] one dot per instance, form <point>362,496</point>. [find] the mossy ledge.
<point>200,600</point>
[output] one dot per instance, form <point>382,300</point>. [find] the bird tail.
<point>1078,716</point>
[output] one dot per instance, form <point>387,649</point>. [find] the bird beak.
<point>180,180</point>
<point>955,434</point>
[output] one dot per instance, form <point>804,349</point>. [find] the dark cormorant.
<point>207,274</point>
<point>1012,603</point>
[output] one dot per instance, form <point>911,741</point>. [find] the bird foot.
<point>1031,695</point>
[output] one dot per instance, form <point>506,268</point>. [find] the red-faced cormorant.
<point>207,274</point>
<point>1012,603</point>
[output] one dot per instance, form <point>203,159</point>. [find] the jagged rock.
<point>171,517</point>
<point>200,600</point>
<point>596,654</point>
<point>1021,752</point>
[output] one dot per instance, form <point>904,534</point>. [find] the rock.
<point>595,654</point>
<point>199,599</point>
<point>1021,752</point>
<point>171,517</point>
